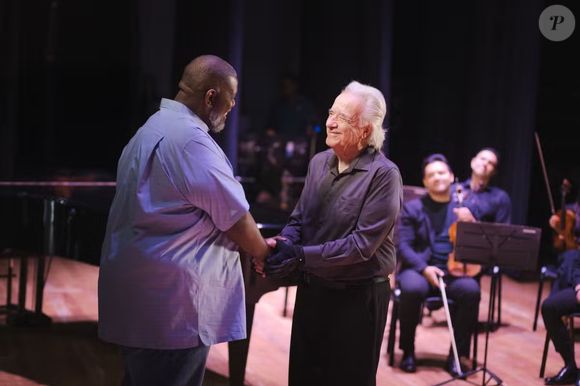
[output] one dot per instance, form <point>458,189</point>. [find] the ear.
<point>366,131</point>
<point>210,97</point>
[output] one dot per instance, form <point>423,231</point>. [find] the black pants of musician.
<point>465,293</point>
<point>560,302</point>
<point>337,334</point>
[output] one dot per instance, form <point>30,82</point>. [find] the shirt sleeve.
<point>376,220</point>
<point>211,185</point>
<point>504,212</point>
<point>576,268</point>
<point>293,229</point>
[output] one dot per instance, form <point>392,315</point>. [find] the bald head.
<point>205,72</point>
<point>208,87</point>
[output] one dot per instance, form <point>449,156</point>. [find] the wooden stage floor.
<point>69,353</point>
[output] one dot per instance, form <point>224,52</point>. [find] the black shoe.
<point>408,363</point>
<point>451,367</point>
<point>566,376</point>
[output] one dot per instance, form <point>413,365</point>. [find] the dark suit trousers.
<point>464,292</point>
<point>560,303</point>
<point>337,334</point>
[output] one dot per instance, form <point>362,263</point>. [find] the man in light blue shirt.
<point>170,281</point>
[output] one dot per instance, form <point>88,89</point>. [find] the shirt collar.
<point>178,107</point>
<point>467,185</point>
<point>361,162</point>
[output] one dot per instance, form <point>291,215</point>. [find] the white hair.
<point>374,110</point>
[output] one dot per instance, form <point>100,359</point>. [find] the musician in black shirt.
<point>424,248</point>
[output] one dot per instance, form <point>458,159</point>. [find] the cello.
<point>457,268</point>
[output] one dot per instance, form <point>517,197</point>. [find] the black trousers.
<point>560,302</point>
<point>465,293</point>
<point>337,334</point>
<point>150,367</point>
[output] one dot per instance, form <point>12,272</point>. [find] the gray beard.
<point>217,129</point>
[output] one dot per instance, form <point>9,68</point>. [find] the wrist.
<point>299,251</point>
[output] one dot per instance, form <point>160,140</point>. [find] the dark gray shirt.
<point>345,220</point>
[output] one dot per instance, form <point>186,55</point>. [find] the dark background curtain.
<point>78,78</point>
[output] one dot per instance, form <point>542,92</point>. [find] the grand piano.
<point>68,219</point>
<point>42,219</point>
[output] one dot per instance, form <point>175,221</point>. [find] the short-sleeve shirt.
<point>169,276</point>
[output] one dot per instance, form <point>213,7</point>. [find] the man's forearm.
<point>245,233</point>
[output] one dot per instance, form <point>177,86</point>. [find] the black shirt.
<point>345,220</point>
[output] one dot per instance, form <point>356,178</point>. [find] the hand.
<point>271,241</point>
<point>432,273</point>
<point>464,214</point>
<point>577,289</point>
<point>258,266</point>
<point>258,263</point>
<point>286,259</point>
<point>554,221</point>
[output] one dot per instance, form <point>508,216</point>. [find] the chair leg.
<point>544,355</point>
<point>571,327</point>
<point>285,309</point>
<point>538,300</point>
<point>475,338</point>
<point>392,334</point>
<point>499,299</point>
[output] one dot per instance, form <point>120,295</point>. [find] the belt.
<point>316,281</point>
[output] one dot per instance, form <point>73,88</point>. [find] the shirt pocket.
<point>347,211</point>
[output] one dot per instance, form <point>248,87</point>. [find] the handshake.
<point>284,260</point>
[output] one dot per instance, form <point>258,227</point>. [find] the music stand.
<point>497,245</point>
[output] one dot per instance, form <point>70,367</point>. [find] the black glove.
<point>286,259</point>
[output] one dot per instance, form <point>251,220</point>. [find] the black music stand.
<point>497,245</point>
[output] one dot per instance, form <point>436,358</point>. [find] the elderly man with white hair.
<point>339,242</point>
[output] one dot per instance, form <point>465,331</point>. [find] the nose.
<point>331,123</point>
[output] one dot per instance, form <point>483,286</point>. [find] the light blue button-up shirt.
<point>169,276</point>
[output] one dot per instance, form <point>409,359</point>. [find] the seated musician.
<point>564,299</point>
<point>424,248</point>
<point>493,203</point>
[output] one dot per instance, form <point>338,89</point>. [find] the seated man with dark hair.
<point>424,248</point>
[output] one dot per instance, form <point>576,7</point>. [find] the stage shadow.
<point>64,354</point>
